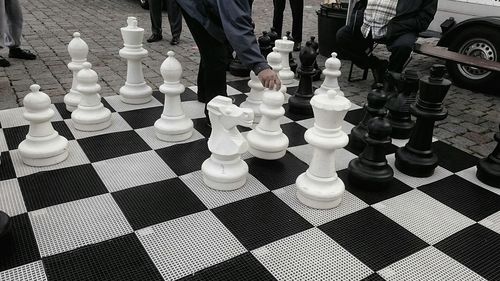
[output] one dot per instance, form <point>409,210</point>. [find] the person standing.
<point>174,18</point>
<point>214,24</point>
<point>11,27</point>
<point>297,7</point>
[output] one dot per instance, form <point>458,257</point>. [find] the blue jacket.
<point>229,20</point>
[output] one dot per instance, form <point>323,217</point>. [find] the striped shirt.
<point>378,13</point>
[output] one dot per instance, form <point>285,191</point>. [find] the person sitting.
<point>395,23</point>
<point>11,27</point>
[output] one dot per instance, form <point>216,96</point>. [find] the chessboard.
<point>127,206</point>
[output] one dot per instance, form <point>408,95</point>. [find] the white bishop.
<point>78,51</point>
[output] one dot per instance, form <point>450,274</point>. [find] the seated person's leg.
<point>400,49</point>
<point>352,45</point>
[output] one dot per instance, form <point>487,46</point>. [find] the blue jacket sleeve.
<point>237,24</point>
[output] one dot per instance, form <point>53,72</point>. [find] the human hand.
<point>269,79</point>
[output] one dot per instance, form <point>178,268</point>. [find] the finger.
<point>278,84</point>
<point>266,83</point>
<point>271,85</point>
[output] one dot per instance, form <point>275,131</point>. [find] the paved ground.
<point>473,117</point>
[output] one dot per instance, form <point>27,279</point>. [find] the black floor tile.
<point>142,118</point>
<point>6,168</point>
<point>477,247</point>
<point>242,268</point>
<point>122,258</point>
<point>240,85</point>
<point>187,157</point>
<point>50,188</point>
<point>373,238</point>
<point>15,135</point>
<point>295,134</point>
<point>463,196</point>
<point>157,202</point>
<point>279,173</point>
<point>459,159</point>
<point>112,145</point>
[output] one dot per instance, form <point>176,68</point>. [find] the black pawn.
<point>315,45</point>
<point>373,108</point>
<point>291,61</point>
<point>238,69</point>
<point>4,224</point>
<point>371,170</point>
<point>488,169</point>
<point>417,158</point>
<point>265,44</point>
<point>299,103</point>
<point>399,105</point>
<point>273,35</point>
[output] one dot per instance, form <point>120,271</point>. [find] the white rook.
<point>320,187</point>
<point>43,145</point>
<point>78,51</point>
<point>173,125</point>
<point>135,91</point>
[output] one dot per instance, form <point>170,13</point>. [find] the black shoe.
<point>154,38</point>
<point>174,41</point>
<point>19,53</point>
<point>4,62</point>
<point>296,46</point>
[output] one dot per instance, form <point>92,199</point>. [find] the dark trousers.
<point>212,72</point>
<point>297,7</point>
<point>352,44</point>
<point>174,16</point>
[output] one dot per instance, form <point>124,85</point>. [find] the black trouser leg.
<point>297,15</point>
<point>352,44</point>
<point>279,9</point>
<point>155,7</point>
<point>174,18</point>
<point>212,71</point>
<point>400,49</point>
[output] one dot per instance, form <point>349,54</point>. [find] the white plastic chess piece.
<point>274,60</point>
<point>285,47</point>
<point>320,187</point>
<point>332,74</point>
<point>43,145</point>
<point>135,91</point>
<point>90,115</point>
<point>267,140</point>
<point>225,170</point>
<point>254,99</point>
<point>78,51</point>
<point>173,125</point>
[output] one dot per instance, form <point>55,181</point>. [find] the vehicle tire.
<point>144,4</point>
<point>480,41</point>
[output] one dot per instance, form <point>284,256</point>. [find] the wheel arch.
<point>448,37</point>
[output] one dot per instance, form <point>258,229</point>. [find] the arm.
<point>416,22</point>
<point>237,24</point>
<point>426,14</point>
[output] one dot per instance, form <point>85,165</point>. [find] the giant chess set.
<point>294,183</point>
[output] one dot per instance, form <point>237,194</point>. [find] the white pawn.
<point>320,187</point>
<point>225,170</point>
<point>285,47</point>
<point>274,60</point>
<point>90,115</point>
<point>332,74</point>
<point>173,125</point>
<point>135,91</point>
<point>267,140</point>
<point>43,145</point>
<point>78,51</point>
<point>254,99</point>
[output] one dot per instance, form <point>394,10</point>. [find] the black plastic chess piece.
<point>315,45</point>
<point>399,105</point>
<point>488,169</point>
<point>273,35</point>
<point>371,170</point>
<point>4,224</point>
<point>291,61</point>
<point>417,158</point>
<point>373,108</point>
<point>299,103</point>
<point>265,44</point>
<point>238,69</point>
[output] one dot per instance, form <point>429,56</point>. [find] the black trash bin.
<point>330,19</point>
